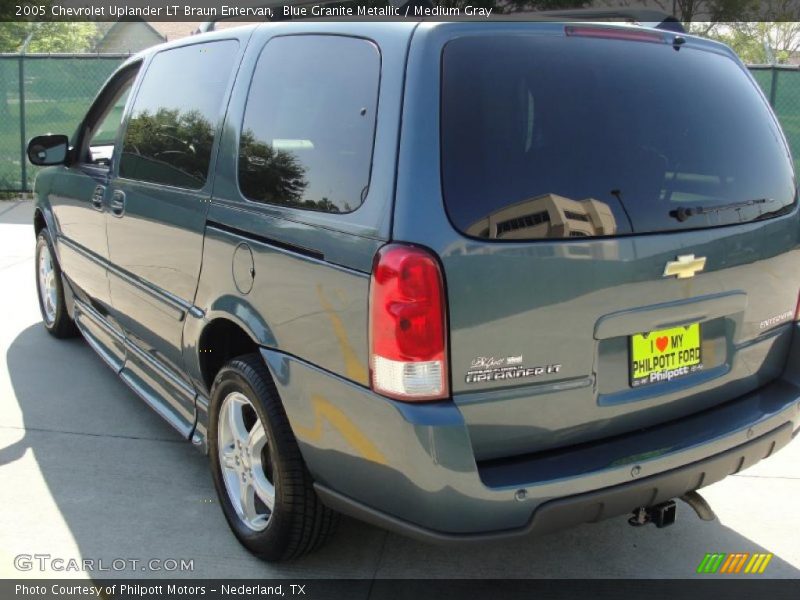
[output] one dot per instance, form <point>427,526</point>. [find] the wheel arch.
<point>220,340</point>
<point>43,218</point>
<point>39,222</point>
<point>209,343</point>
<point>223,327</point>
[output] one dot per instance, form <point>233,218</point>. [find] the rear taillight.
<point>614,33</point>
<point>407,328</point>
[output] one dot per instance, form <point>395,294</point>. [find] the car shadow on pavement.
<point>127,485</point>
<point>13,212</point>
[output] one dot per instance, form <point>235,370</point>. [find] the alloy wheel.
<point>48,291</point>
<point>244,458</point>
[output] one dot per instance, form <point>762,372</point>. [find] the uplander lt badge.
<point>489,368</point>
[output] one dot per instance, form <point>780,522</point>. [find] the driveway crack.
<point>90,434</point>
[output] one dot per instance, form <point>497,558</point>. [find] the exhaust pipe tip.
<point>699,505</point>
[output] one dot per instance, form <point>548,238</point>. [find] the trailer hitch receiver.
<point>662,515</point>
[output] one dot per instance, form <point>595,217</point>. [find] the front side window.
<point>176,114</point>
<point>309,125</point>
<point>105,118</point>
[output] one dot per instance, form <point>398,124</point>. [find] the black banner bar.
<point>729,588</point>
<point>261,10</point>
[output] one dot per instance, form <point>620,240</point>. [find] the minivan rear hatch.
<point>627,207</point>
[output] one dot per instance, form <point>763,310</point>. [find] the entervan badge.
<point>685,266</point>
<point>489,368</point>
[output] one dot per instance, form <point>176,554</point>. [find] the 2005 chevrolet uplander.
<point>461,280</point>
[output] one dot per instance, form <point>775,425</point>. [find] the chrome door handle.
<point>118,203</point>
<point>97,197</point>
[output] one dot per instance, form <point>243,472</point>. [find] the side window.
<point>309,125</point>
<point>175,115</point>
<point>105,118</point>
<point>106,132</point>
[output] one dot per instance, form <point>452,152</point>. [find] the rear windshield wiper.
<point>684,212</point>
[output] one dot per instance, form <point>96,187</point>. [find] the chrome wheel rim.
<point>244,458</point>
<point>48,292</point>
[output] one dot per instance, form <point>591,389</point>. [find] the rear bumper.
<point>589,507</point>
<point>412,469</point>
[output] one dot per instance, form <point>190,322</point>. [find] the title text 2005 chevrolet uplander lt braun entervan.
<point>461,280</point>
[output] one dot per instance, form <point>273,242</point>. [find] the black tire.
<point>299,522</point>
<point>58,324</point>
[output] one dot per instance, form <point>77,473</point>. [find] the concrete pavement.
<point>88,471</point>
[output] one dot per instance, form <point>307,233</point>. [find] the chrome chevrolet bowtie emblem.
<point>685,266</point>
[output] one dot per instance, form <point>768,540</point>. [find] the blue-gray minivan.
<point>463,281</point>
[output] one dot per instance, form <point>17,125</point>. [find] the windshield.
<point>562,137</point>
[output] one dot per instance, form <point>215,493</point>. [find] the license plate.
<point>664,355</point>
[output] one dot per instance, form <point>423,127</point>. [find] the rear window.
<point>570,137</point>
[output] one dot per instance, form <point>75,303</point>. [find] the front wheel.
<point>49,286</point>
<point>262,482</point>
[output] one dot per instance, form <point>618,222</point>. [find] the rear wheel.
<point>262,483</point>
<point>49,286</point>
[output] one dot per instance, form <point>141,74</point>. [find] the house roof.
<point>175,31</point>
<point>165,31</point>
<point>146,35</point>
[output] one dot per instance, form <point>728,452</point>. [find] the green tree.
<point>757,42</point>
<point>44,37</point>
<point>689,11</point>
<point>48,36</point>
<point>78,36</point>
<point>273,176</point>
<point>12,35</point>
<point>56,36</point>
<point>169,146</point>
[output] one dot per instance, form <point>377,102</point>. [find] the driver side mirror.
<point>48,150</point>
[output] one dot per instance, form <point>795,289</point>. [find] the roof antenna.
<point>617,193</point>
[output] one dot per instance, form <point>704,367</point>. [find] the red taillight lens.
<point>613,33</point>
<point>408,347</point>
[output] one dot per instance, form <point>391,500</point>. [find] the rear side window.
<point>309,125</point>
<point>570,137</point>
<point>176,114</point>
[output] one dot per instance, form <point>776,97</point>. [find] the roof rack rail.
<point>652,18</point>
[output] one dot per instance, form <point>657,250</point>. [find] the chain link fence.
<point>47,93</point>
<point>50,94</point>
<point>781,85</point>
